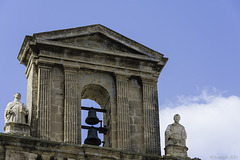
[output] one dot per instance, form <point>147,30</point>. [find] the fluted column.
<point>123,123</point>
<point>44,102</point>
<point>151,117</point>
<point>70,107</point>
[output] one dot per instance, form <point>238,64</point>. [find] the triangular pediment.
<point>96,41</point>
<point>97,37</point>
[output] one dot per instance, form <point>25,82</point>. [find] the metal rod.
<point>100,129</point>
<point>88,127</point>
<point>96,109</point>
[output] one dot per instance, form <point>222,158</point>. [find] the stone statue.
<point>175,138</point>
<point>16,111</point>
<point>16,117</point>
<point>175,133</point>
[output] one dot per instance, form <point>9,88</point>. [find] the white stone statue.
<point>175,138</point>
<point>16,117</point>
<point>16,112</point>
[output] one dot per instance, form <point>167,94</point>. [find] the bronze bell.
<point>92,118</point>
<point>92,138</point>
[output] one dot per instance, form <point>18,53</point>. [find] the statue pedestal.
<point>17,128</point>
<point>175,150</point>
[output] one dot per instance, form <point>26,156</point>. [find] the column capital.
<point>122,77</point>
<point>71,68</point>
<point>147,80</point>
<point>44,64</point>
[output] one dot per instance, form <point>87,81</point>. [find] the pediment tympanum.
<point>97,41</point>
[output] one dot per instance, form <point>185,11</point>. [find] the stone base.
<point>14,147</point>
<point>17,128</point>
<point>178,151</point>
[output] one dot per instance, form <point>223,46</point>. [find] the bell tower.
<point>93,62</point>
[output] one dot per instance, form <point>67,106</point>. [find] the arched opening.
<point>98,97</point>
<point>90,103</point>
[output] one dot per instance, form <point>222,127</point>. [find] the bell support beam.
<point>100,129</point>
<point>96,109</point>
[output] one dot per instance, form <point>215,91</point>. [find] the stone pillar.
<point>32,96</point>
<point>32,156</point>
<point>71,108</point>
<point>123,123</point>
<point>2,153</point>
<point>45,157</point>
<point>44,102</point>
<point>58,157</point>
<point>151,117</point>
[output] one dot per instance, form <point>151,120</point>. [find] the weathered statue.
<point>175,138</point>
<point>175,133</point>
<point>16,117</point>
<point>16,111</point>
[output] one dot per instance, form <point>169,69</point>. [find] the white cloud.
<point>212,123</point>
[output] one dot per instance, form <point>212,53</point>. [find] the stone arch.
<point>96,93</point>
<point>101,96</point>
<point>100,87</point>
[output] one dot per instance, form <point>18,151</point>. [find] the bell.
<point>92,138</point>
<point>92,118</point>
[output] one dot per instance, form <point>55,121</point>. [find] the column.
<point>70,107</point>
<point>44,102</point>
<point>151,117</point>
<point>123,122</point>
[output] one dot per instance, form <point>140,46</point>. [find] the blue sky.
<point>201,38</point>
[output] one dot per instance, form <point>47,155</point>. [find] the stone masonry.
<point>29,148</point>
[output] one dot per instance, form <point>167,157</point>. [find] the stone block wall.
<point>136,116</point>
<point>28,148</point>
<point>57,106</point>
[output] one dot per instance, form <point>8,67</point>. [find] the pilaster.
<point>32,156</point>
<point>151,117</point>
<point>44,102</point>
<point>2,153</point>
<point>123,122</point>
<point>45,157</point>
<point>71,107</point>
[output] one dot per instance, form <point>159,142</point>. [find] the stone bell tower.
<point>96,63</point>
<point>92,62</point>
